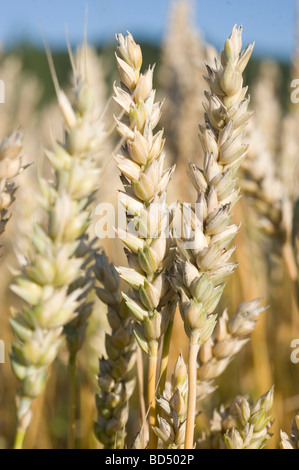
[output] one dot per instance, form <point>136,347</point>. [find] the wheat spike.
<point>56,257</point>
<point>204,250</point>
<point>115,386</point>
<point>173,408</point>
<point>145,181</point>
<point>229,337</point>
<point>243,425</point>
<point>292,441</point>
<point>10,167</point>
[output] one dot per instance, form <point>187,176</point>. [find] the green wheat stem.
<point>72,416</point>
<point>165,356</point>
<point>19,438</point>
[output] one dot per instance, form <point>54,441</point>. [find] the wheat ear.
<point>242,425</point>
<point>270,201</point>
<point>145,182</point>
<point>292,441</point>
<point>252,423</point>
<point>264,189</point>
<point>172,403</point>
<point>10,167</point>
<point>228,338</point>
<point>202,268</point>
<point>115,386</point>
<point>56,259</point>
<point>85,143</point>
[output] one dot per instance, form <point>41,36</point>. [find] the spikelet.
<point>10,167</point>
<point>292,441</point>
<point>251,430</point>
<point>243,425</point>
<point>173,407</point>
<point>229,337</point>
<point>47,283</point>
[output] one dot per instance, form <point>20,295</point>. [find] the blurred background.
<point>179,36</point>
<point>25,25</point>
<point>271,23</point>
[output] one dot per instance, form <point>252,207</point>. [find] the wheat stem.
<point>165,356</point>
<point>140,379</point>
<point>72,417</point>
<point>191,410</point>
<point>152,372</point>
<point>19,438</point>
<point>24,418</point>
<point>290,262</point>
<point>289,259</point>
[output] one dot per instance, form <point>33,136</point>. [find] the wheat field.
<point>149,224</point>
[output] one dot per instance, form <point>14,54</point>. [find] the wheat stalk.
<point>56,257</point>
<point>202,268</point>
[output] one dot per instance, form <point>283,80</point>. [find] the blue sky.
<point>270,23</point>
